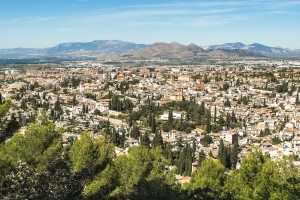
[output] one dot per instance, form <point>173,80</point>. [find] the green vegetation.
<point>36,166</point>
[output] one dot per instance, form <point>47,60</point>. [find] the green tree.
<point>202,157</point>
<point>132,174</point>
<point>170,117</point>
<point>209,179</point>
<point>39,146</point>
<point>130,121</point>
<point>97,112</point>
<point>157,140</point>
<point>115,137</point>
<point>145,141</point>
<point>153,125</point>
<point>135,132</point>
<point>241,183</point>
<point>122,139</point>
<point>225,86</point>
<point>234,153</point>
<point>91,153</point>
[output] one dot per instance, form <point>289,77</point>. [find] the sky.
<point>46,23</point>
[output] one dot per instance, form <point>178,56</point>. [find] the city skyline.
<point>39,24</point>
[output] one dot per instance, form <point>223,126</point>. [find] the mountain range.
<point>255,47</point>
<point>174,50</point>
<point>116,49</point>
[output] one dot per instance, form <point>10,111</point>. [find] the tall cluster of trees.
<point>228,155</point>
<point>184,163</point>
<point>120,105</point>
<point>70,80</point>
<point>123,86</point>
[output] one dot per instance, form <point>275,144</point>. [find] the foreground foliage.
<point>35,166</point>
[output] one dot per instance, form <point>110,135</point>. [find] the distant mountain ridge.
<point>120,49</point>
<point>174,50</point>
<point>75,49</point>
<point>99,46</point>
<point>255,47</point>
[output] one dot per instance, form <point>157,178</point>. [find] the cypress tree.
<point>20,119</point>
<point>83,108</point>
<point>135,132</point>
<point>233,117</point>
<point>107,127</point>
<point>86,109</point>
<point>208,126</point>
<point>157,140</point>
<point>170,117</point>
<point>194,149</point>
<point>115,137</point>
<point>234,153</point>
<point>227,157</point>
<point>202,109</point>
<point>201,157</point>
<point>181,162</point>
<point>122,139</point>
<point>145,141</point>
<point>210,154</point>
<point>153,126</point>
<point>188,162</point>
<point>222,153</point>
<point>150,119</point>
<point>130,120</point>
<point>215,114</point>
<point>184,163</point>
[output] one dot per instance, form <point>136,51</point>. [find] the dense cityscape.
<point>89,127</point>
